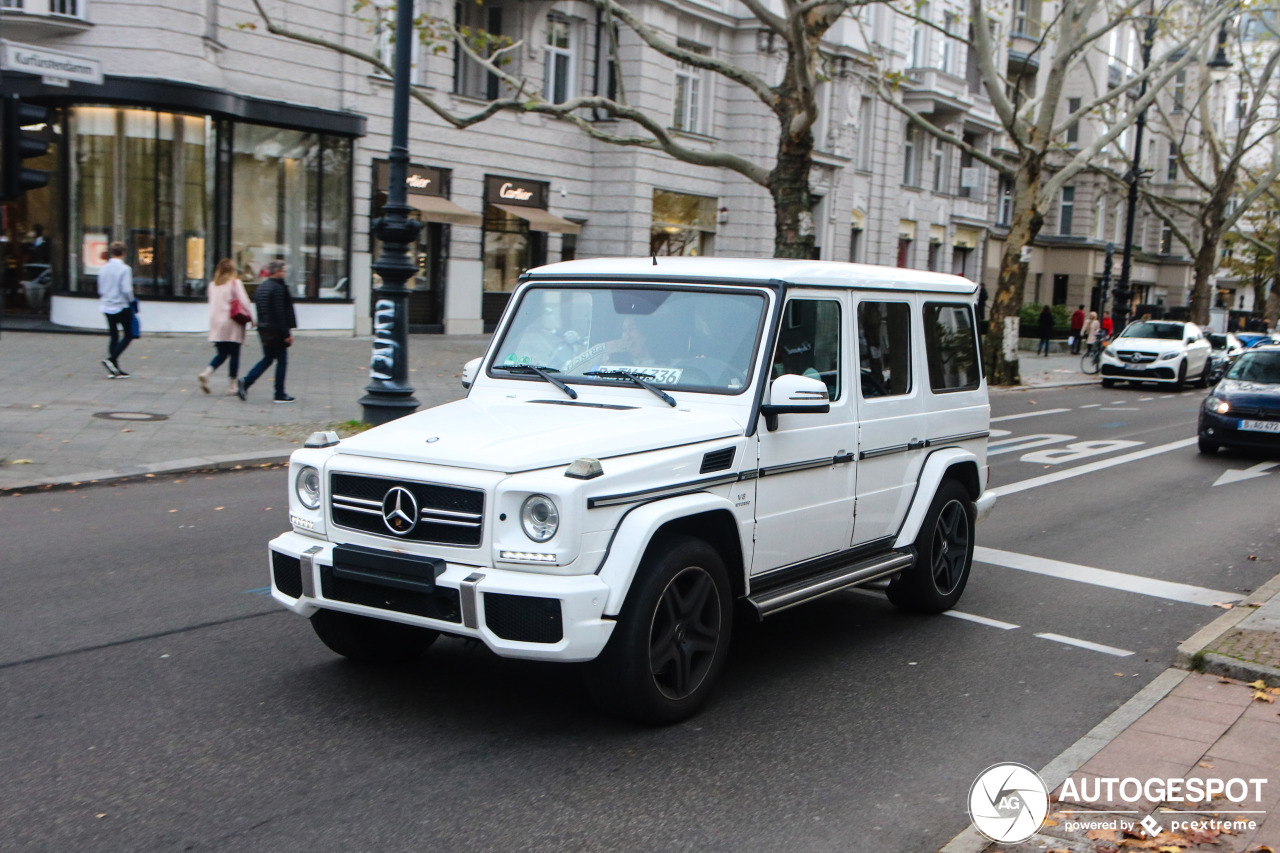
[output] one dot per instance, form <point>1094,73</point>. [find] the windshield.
<point>1257,367</point>
<point>1218,341</point>
<point>696,340</point>
<point>1161,331</point>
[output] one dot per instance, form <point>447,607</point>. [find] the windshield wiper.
<point>635,378</point>
<point>544,372</point>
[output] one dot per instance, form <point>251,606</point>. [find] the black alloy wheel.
<point>685,633</point>
<point>944,554</point>
<point>672,635</point>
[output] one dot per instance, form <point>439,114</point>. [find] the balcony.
<point>935,92</point>
<point>25,19</point>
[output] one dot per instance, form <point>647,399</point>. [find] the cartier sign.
<point>500,190</point>
<point>420,180</point>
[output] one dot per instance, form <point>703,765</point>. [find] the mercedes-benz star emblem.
<point>400,511</point>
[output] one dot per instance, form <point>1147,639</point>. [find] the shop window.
<point>510,248</point>
<point>292,203</point>
<point>560,69</point>
<point>884,348</point>
<point>682,224</point>
<point>950,347</point>
<point>144,178</point>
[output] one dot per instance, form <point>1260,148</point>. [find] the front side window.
<point>693,340</point>
<point>560,68</point>
<point>809,342</point>
<point>884,349</point>
<point>950,347</point>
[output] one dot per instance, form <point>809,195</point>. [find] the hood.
<point>1249,394</point>
<point>1158,345</point>
<point>511,436</point>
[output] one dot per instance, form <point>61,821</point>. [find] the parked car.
<point>1226,348</point>
<point>1161,351</point>
<point>1244,408</point>
<point>1253,339</point>
<point>648,447</point>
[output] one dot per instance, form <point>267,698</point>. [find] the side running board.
<point>804,589</point>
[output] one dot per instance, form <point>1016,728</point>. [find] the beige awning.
<point>436,208</point>
<point>541,220</point>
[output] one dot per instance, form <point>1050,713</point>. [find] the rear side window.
<point>950,347</point>
<point>884,348</point>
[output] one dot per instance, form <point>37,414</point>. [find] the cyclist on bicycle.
<point>1092,332</point>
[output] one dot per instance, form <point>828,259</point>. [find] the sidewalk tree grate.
<point>130,416</point>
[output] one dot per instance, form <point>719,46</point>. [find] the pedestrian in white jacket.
<point>225,332</point>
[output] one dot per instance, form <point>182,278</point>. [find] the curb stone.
<point>1191,650</point>
<point>177,466</point>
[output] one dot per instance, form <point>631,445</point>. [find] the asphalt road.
<point>154,698</point>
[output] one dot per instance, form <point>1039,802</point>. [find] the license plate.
<point>1134,367</point>
<point>1260,426</point>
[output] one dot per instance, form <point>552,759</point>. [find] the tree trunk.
<point>1272,311</point>
<point>1000,345</point>
<point>1206,259</point>
<point>792,200</point>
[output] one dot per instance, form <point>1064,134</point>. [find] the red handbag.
<point>239,312</point>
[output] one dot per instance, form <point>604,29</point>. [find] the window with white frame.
<point>920,37</point>
<point>1166,240</point>
<point>1100,218</point>
<point>1117,224</point>
<point>866,139</point>
<point>68,8</point>
<point>1171,165</point>
<point>1179,91</point>
<point>1004,215</point>
<point>939,166</point>
<point>909,145</point>
<point>950,49</point>
<point>1073,129</point>
<point>470,78</point>
<point>1066,210</point>
<point>690,94</point>
<point>561,66</point>
<point>384,31</point>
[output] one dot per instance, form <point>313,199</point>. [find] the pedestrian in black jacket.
<point>275,330</point>
<point>1046,330</point>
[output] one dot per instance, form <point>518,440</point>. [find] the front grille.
<point>447,515</point>
<point>1254,414</point>
<point>523,618</point>
<point>286,572</point>
<point>1134,357</point>
<point>441,604</point>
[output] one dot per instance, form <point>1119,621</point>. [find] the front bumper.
<point>1140,373</point>
<point>516,614</point>
<point>1225,430</point>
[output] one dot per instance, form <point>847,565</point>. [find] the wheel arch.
<point>947,463</point>
<point>702,515</point>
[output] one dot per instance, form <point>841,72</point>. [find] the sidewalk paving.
<point>63,421</point>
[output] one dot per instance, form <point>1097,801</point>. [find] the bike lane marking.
<point>1029,415</point>
<point>1167,590</point>
<point>1089,468</point>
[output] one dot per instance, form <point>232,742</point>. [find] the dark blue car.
<point>1244,408</point>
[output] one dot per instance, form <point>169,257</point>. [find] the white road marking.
<point>1145,399</point>
<point>1025,442</point>
<point>1089,467</point>
<point>981,620</point>
<point>1085,644</point>
<point>1235,475</point>
<point>1091,406</point>
<point>1076,450</point>
<point>1029,415</point>
<point>1126,409</point>
<point>1167,590</point>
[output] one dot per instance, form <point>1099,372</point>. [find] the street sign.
<point>53,66</point>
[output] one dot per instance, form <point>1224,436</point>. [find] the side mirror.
<point>1190,340</point>
<point>794,395</point>
<point>469,372</point>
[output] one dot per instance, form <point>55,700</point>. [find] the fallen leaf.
<point>126,429</point>
<point>173,510</point>
<point>1101,835</point>
<point>216,508</point>
<point>1261,848</point>
<point>149,475</point>
<point>1224,605</point>
<point>55,509</point>
<point>1257,685</point>
<point>1253,556</point>
<point>1263,696</point>
<point>1049,822</point>
<point>1118,674</point>
<point>1206,765</point>
<point>20,462</point>
<point>101,814</point>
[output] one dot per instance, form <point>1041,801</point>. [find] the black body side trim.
<point>789,574</point>
<point>674,490</point>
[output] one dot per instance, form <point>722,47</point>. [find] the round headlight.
<point>539,518</point>
<point>1216,404</point>
<point>307,487</point>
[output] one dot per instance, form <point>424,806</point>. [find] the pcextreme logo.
<point>1008,802</point>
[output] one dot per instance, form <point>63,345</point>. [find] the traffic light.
<point>22,136</point>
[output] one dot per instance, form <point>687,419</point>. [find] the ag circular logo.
<point>1008,802</point>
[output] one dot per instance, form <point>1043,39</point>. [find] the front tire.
<point>944,554</point>
<point>1205,376</point>
<point>1181,381</point>
<point>1208,447</point>
<point>367,640</point>
<point>672,636</point>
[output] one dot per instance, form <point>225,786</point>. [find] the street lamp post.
<point>389,394</point>
<point>1123,293</point>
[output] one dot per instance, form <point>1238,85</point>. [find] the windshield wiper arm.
<point>635,378</point>
<point>540,371</point>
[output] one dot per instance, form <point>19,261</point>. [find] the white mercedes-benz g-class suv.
<point>648,449</point>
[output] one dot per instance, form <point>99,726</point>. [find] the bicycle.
<point>1091,361</point>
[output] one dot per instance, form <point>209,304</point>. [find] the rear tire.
<point>1205,375</point>
<point>944,554</point>
<point>367,640</point>
<point>1208,447</point>
<point>671,638</point>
